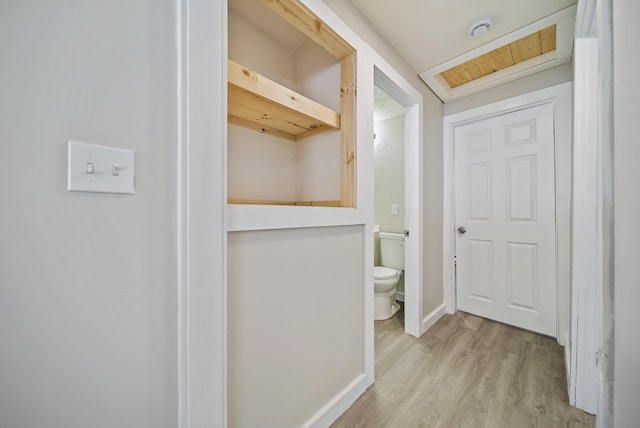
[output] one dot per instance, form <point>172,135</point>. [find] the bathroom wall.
<point>295,311</point>
<point>388,170</point>
<point>88,300</point>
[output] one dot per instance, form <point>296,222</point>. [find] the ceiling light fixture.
<point>480,26</point>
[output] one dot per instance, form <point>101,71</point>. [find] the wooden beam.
<point>298,15</point>
<point>319,203</point>
<point>267,116</point>
<point>348,131</point>
<point>257,202</point>
<point>263,129</point>
<point>285,203</point>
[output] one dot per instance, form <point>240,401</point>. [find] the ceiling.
<point>427,33</point>
<point>384,106</point>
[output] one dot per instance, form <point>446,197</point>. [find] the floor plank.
<point>465,372</point>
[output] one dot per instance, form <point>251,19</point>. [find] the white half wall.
<point>295,312</point>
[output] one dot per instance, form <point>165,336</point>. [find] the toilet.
<point>387,276</point>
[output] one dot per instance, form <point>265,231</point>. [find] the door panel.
<point>505,199</point>
<point>481,269</point>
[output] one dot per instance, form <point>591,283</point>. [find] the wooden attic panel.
<point>526,48</point>
<point>298,15</point>
<point>503,57</point>
<point>454,76</point>
<point>499,59</point>
<point>548,39</point>
<point>476,68</point>
<point>255,98</point>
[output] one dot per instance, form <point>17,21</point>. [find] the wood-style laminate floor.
<point>465,371</point>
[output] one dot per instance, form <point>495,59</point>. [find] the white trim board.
<point>586,229</point>
<point>564,21</point>
<point>560,95</point>
<point>339,404</point>
<point>433,317</point>
<point>385,76</point>
<point>201,41</point>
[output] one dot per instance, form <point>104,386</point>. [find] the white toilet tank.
<point>392,250</point>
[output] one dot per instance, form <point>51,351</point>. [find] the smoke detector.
<point>480,26</point>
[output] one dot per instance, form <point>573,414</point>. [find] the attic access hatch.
<point>539,46</point>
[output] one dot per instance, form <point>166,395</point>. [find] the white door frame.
<point>560,96</point>
<point>388,79</point>
<point>587,229</point>
<point>201,50</point>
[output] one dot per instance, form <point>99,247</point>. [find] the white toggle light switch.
<point>394,209</point>
<point>94,168</point>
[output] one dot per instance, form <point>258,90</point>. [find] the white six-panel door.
<point>505,217</point>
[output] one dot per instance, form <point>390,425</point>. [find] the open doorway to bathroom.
<point>397,160</point>
<point>388,204</point>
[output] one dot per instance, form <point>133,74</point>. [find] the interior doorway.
<point>398,183</point>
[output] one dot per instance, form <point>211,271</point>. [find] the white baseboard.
<point>432,318</point>
<point>567,360</point>
<point>400,296</point>
<point>340,403</point>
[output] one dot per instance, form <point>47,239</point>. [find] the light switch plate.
<point>394,209</point>
<point>101,169</point>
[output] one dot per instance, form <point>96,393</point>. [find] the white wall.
<point>318,156</point>
<point>627,211</point>
<point>260,166</point>
<point>87,281</point>
<point>432,152</point>
<point>254,49</point>
<point>295,322</point>
<point>388,174</point>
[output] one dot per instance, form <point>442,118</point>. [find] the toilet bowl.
<point>385,284</point>
<point>387,276</point>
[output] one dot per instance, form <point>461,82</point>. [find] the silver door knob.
<point>461,230</point>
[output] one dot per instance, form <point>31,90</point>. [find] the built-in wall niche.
<point>291,111</point>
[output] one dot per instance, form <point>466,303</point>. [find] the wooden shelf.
<point>258,103</point>
<point>289,203</point>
